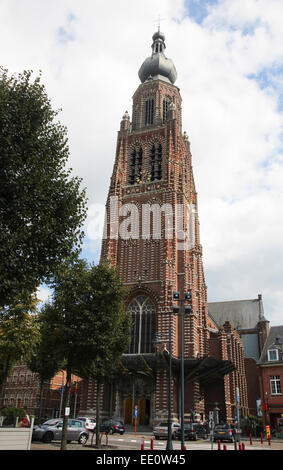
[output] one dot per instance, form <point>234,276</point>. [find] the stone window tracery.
<point>142,311</point>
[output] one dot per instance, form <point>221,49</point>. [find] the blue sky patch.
<point>197,10</point>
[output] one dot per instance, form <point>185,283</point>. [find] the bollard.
<point>184,447</point>
<point>251,440</point>
<point>261,438</point>
<point>243,446</point>
<point>269,440</point>
<point>142,443</point>
<point>219,445</point>
<point>224,447</point>
<point>151,444</point>
<point>240,446</point>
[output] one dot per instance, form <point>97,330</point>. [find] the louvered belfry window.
<point>156,162</point>
<point>142,311</point>
<point>165,109</point>
<point>149,111</point>
<point>135,165</point>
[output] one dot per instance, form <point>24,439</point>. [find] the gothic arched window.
<point>135,165</point>
<point>156,162</point>
<point>166,103</point>
<point>142,311</point>
<point>149,111</point>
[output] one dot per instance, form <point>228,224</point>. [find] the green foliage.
<point>252,424</point>
<point>41,206</point>
<point>44,361</point>
<point>90,328</point>
<point>12,413</point>
<point>19,333</point>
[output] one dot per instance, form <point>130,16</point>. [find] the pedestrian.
<point>24,423</point>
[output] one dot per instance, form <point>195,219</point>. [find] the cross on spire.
<point>158,21</point>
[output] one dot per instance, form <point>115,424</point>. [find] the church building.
<point>152,236</point>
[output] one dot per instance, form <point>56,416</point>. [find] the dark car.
<point>110,426</point>
<point>193,431</point>
<point>224,432</point>
<point>51,430</point>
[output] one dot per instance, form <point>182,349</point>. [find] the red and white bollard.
<point>243,446</point>
<point>251,440</point>
<point>261,438</point>
<point>224,447</point>
<point>151,444</point>
<point>269,440</point>
<point>219,445</point>
<point>142,443</point>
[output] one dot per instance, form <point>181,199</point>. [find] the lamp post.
<point>158,339</point>
<point>184,310</point>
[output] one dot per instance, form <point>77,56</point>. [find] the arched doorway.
<point>128,411</point>
<point>144,411</point>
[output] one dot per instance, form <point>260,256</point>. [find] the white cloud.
<point>90,53</point>
<point>43,294</point>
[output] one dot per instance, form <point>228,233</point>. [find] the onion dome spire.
<point>158,67</point>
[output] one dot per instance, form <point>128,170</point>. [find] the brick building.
<point>152,235</point>
<point>22,390</point>
<point>270,370</point>
<point>247,317</point>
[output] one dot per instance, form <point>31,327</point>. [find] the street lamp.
<point>158,339</point>
<point>185,309</point>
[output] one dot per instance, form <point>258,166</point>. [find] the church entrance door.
<point>128,411</point>
<point>144,412</point>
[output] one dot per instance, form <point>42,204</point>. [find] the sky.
<point>229,59</point>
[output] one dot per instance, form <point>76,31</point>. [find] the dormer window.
<point>272,354</point>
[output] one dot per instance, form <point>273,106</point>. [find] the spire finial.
<point>158,22</point>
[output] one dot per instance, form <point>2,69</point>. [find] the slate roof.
<point>273,341</point>
<point>242,314</point>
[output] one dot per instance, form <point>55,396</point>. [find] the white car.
<point>90,423</point>
<point>161,430</point>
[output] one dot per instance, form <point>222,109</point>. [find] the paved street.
<point>130,441</point>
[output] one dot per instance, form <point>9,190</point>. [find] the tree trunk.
<point>64,405</point>
<point>41,399</point>
<point>6,369</point>
<point>97,431</point>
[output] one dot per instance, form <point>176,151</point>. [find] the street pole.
<point>169,445</point>
<point>184,310</point>
<point>182,377</point>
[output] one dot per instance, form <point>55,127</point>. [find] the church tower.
<point>152,235</point>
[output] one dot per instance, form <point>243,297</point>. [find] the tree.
<point>90,328</point>
<point>44,360</point>
<point>108,304</point>
<point>41,206</point>
<point>19,334</point>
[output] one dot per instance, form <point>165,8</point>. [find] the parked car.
<point>224,432</point>
<point>193,431</point>
<point>111,425</point>
<point>52,430</point>
<point>161,430</point>
<point>90,423</point>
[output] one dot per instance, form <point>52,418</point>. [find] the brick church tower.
<point>152,236</point>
